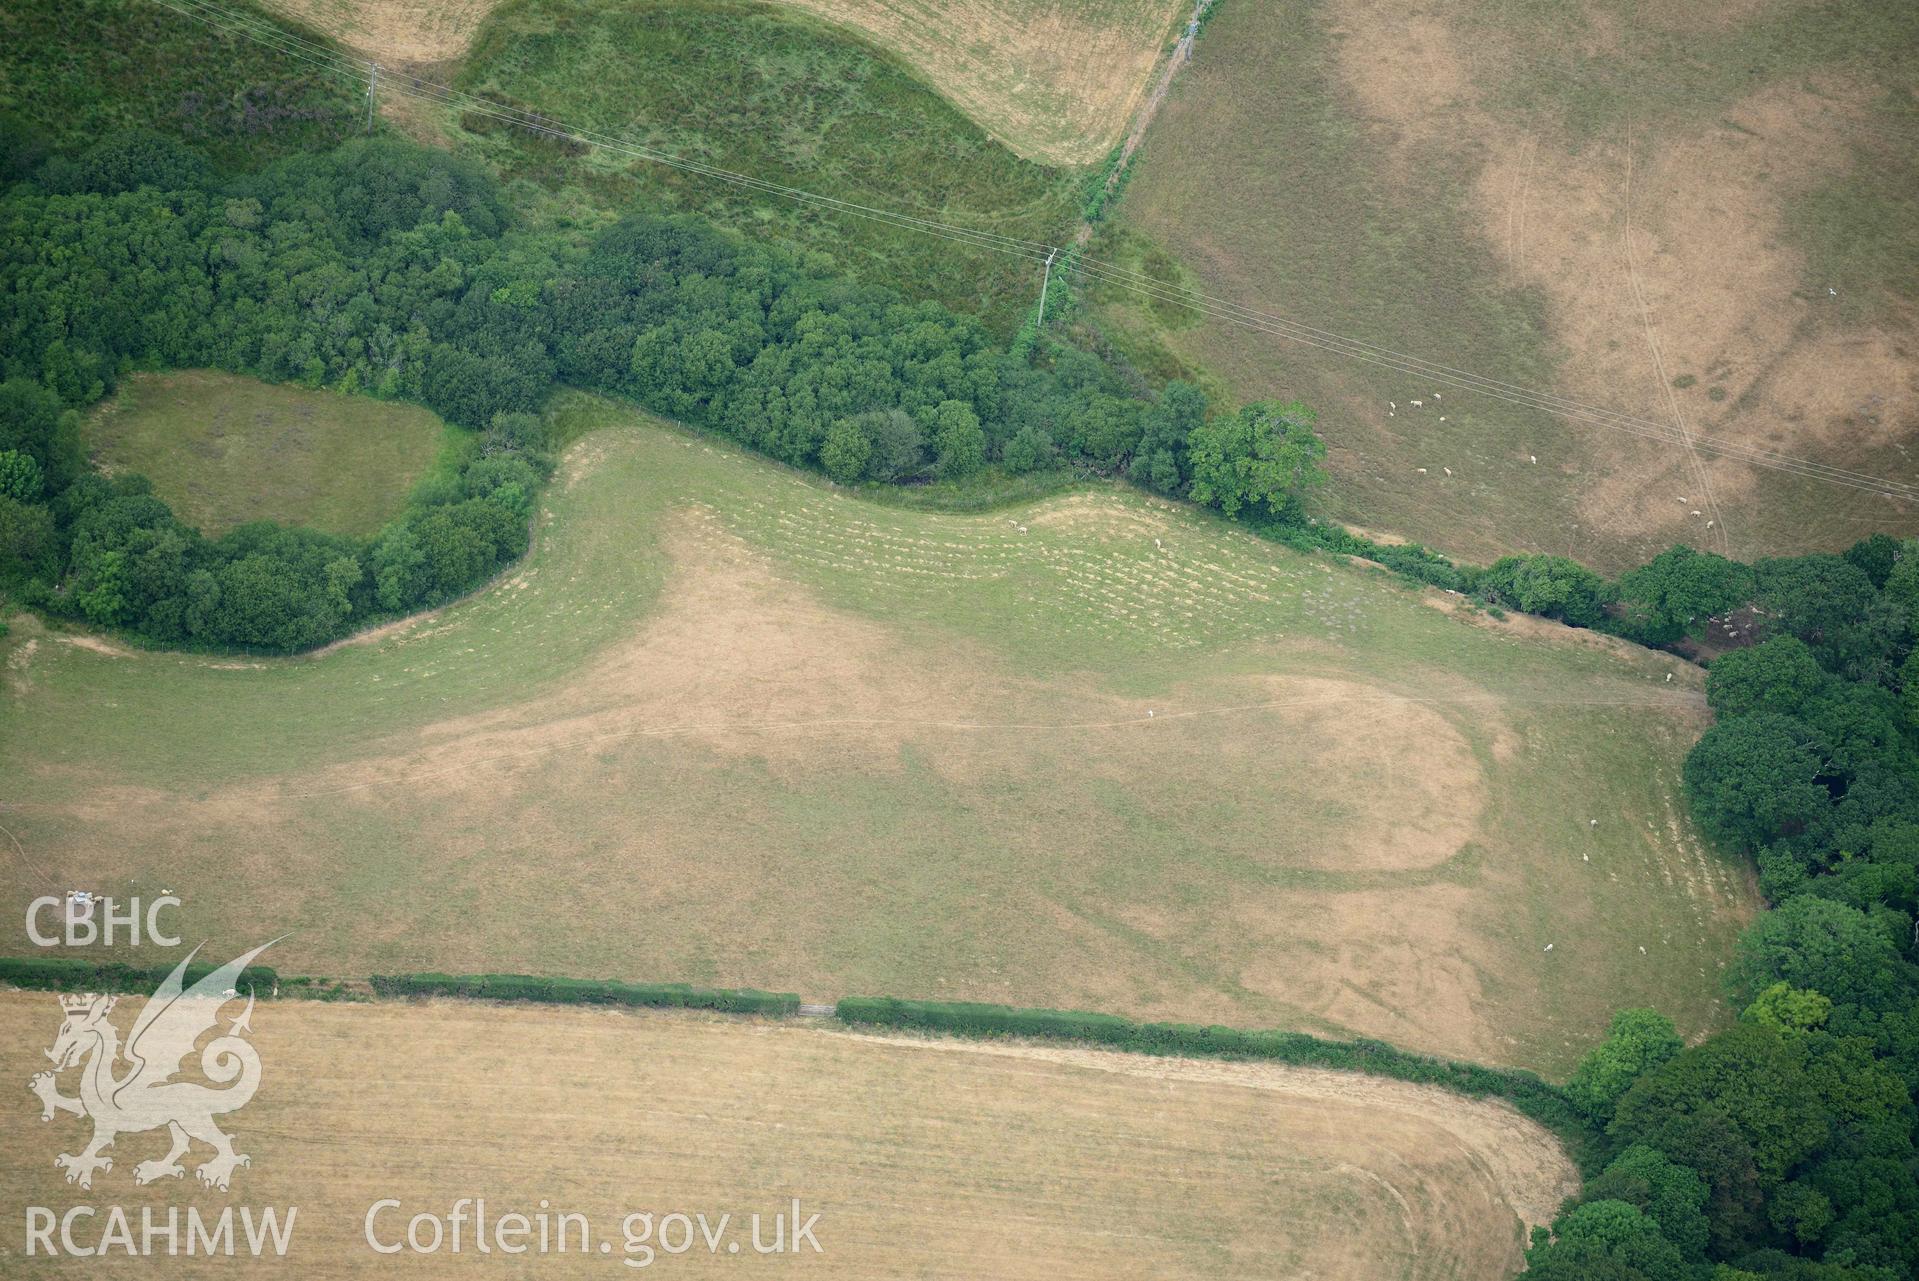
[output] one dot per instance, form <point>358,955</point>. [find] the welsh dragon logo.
<point>131,1089</point>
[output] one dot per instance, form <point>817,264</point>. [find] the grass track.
<point>824,746</point>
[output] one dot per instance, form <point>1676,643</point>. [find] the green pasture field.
<point>224,450</point>
<point>785,98</point>
<point>730,725</point>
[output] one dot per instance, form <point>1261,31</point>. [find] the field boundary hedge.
<point>1532,1095</point>
<point>565,991</point>
<point>70,974</point>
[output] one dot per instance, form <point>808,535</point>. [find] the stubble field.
<point>923,1158</point>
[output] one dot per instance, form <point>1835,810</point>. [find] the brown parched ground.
<point>1671,284</point>
<point>1409,175</point>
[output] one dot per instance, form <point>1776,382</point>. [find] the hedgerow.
<point>1537,1098</point>
<point>69,974</point>
<point>568,991</point>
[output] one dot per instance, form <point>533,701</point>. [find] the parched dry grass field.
<point>923,1158</point>
<point>1698,214</point>
<point>1055,80</point>
<point>729,725</point>
<point>394,32</point>
<point>224,450</point>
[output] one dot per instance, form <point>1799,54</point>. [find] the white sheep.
<point>1534,458</point>
<point>1417,404</point>
<point>1549,947</point>
<point>1447,470</point>
<point>1420,470</point>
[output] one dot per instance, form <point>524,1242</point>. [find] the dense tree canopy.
<point>1672,595</point>
<point>389,269</point>
<point>1798,1124</point>
<point>1638,1041</point>
<point>1265,458</point>
<point>1550,586</point>
<point>1756,778</point>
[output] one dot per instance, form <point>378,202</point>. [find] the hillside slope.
<point>814,744</point>
<point>1055,80</point>
<point>1697,217</point>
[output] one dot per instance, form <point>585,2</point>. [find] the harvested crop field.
<point>815,744</point>
<point>1699,218</point>
<point>927,1158</point>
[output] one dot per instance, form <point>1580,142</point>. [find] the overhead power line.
<point>246,26</point>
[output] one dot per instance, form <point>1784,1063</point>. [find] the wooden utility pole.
<point>1044,282</point>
